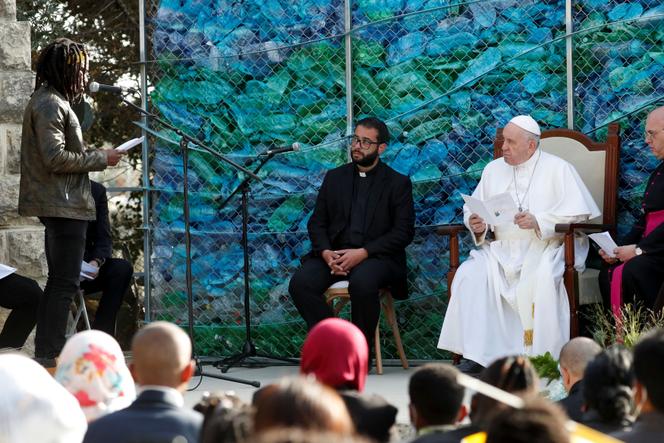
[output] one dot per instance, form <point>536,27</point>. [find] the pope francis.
<point>508,297</point>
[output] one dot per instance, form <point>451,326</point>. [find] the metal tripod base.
<point>248,351</point>
<point>202,373</point>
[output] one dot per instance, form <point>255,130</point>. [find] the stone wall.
<point>21,239</point>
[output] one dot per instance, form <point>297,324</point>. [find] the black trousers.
<point>22,296</point>
<point>113,281</point>
<point>643,277</point>
<point>65,245</point>
<point>309,283</point>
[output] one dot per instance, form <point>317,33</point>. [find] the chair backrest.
<point>586,156</point>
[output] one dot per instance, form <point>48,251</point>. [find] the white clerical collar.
<point>531,162</point>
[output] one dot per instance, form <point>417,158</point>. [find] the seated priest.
<point>636,273</point>
<point>362,222</point>
<point>508,298</point>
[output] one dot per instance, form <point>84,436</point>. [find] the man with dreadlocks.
<point>54,183</point>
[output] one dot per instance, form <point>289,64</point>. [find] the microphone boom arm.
<point>191,139</point>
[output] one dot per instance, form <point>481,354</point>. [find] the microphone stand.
<point>184,148</point>
<point>248,348</point>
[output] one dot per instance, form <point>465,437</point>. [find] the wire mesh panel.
<point>242,77</point>
<point>445,75</point>
<point>245,76</point>
<point>619,74</point>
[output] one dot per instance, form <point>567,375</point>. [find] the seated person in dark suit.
<point>436,404</point>
<point>649,391</point>
<point>360,227</point>
<point>574,357</point>
<point>21,295</point>
<point>114,276</point>
<point>161,367</point>
<point>636,273</point>
<point>608,396</point>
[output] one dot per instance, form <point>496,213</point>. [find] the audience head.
<point>607,385</point>
<point>538,421</point>
<point>161,355</point>
<point>336,353</point>
<point>34,407</point>
<point>292,435</point>
<point>574,357</point>
<point>435,396</point>
<point>301,403</point>
<point>514,374</point>
<point>227,419</point>
<point>92,367</point>
<point>648,369</point>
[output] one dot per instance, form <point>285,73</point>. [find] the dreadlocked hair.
<point>60,65</point>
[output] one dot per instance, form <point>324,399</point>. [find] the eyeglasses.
<point>651,133</point>
<point>363,143</point>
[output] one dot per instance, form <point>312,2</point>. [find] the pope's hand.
<point>477,224</point>
<point>526,220</point>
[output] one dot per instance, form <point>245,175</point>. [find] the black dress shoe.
<point>470,367</point>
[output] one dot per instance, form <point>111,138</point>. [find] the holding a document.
<point>507,297</point>
<point>634,271</point>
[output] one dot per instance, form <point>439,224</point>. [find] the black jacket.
<point>390,215</point>
<point>153,418</point>
<point>653,201</point>
<point>573,402</point>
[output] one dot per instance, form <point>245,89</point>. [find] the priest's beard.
<point>367,160</point>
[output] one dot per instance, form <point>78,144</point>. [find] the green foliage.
<point>636,321</point>
<point>546,366</point>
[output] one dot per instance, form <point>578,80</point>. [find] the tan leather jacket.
<point>54,163</point>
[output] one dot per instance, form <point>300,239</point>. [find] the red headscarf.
<point>336,353</point>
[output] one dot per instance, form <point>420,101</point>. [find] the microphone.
<point>294,147</point>
<point>97,87</point>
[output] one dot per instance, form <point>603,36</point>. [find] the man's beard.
<point>368,160</point>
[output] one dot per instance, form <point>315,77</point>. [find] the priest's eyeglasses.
<point>650,134</point>
<point>363,143</point>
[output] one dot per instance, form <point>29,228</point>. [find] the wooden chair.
<point>337,297</point>
<point>587,156</point>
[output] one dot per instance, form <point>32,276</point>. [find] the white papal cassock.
<point>508,297</point>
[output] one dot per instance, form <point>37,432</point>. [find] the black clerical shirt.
<point>353,234</point>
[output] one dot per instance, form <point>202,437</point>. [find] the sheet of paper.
<point>604,241</point>
<point>88,272</point>
<point>6,270</point>
<point>498,210</point>
<point>503,208</point>
<point>126,146</point>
